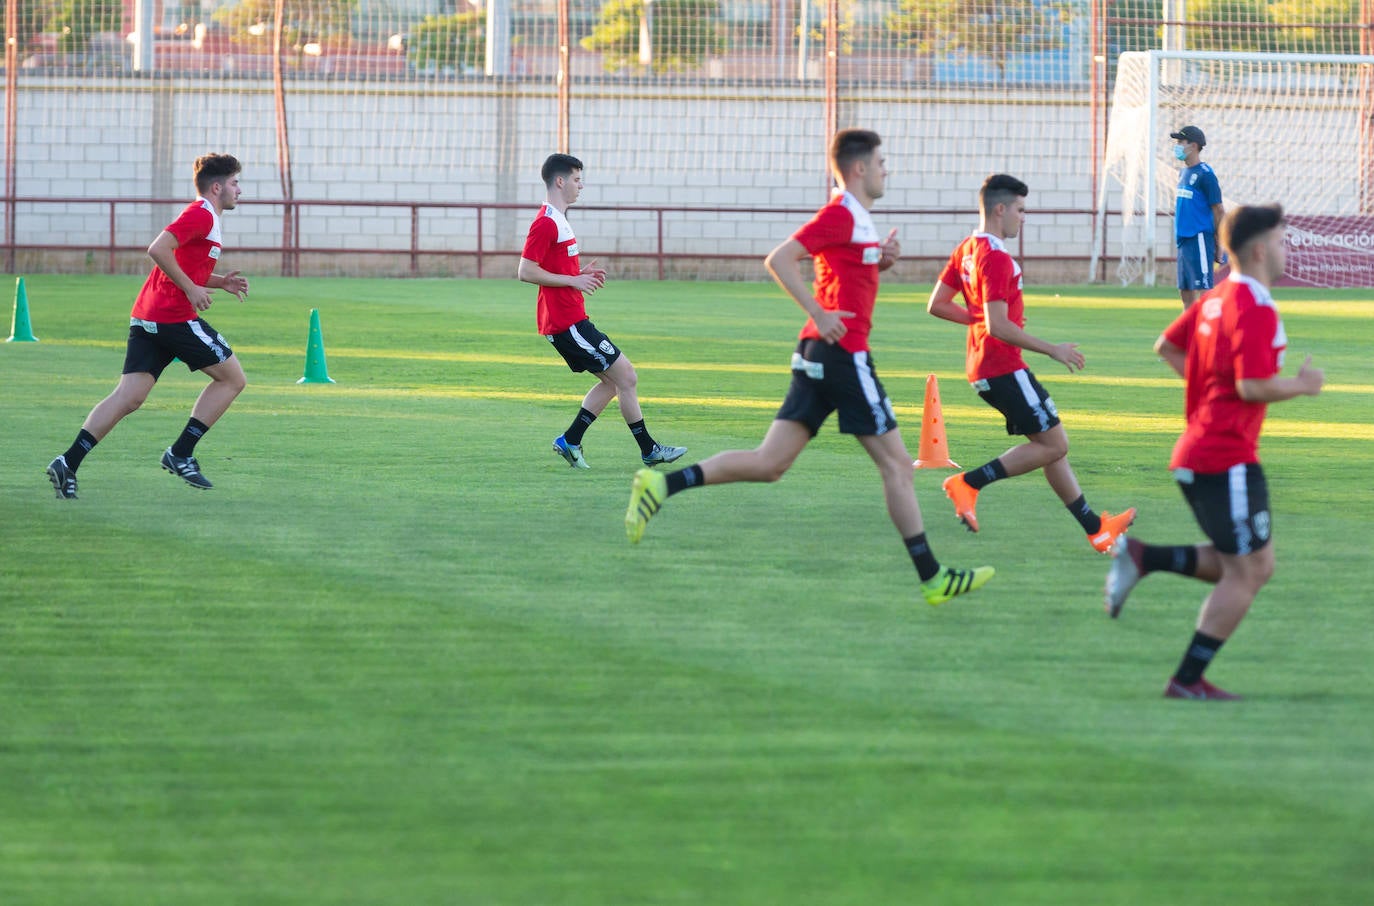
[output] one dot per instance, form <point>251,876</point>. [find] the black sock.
<point>85,440</point>
<point>926,564</point>
<point>1195,660</point>
<point>985,474</point>
<point>681,480</point>
<point>579,427</point>
<point>641,433</point>
<point>186,444</point>
<point>1181,559</point>
<point>1091,522</point>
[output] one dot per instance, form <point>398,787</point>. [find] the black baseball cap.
<point>1190,134</point>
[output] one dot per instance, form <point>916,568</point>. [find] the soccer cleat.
<point>1113,527</point>
<point>63,479</point>
<point>965,499</point>
<point>571,452</point>
<point>1125,571</point>
<point>1198,691</point>
<point>647,494</point>
<point>949,583</point>
<point>187,469</point>
<point>662,453</point>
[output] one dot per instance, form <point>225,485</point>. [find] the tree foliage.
<point>457,42</point>
<point>682,33</point>
<point>991,29</point>
<point>324,22</point>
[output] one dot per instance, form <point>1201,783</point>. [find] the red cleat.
<point>1113,527</point>
<point>1198,691</point>
<point>965,499</point>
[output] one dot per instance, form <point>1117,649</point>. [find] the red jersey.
<point>1231,334</point>
<point>984,271</point>
<point>844,246</point>
<point>198,247</point>
<point>552,245</point>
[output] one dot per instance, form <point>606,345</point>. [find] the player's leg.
<point>626,381</point>
<point>129,394</point>
<point>938,583</point>
<point>202,348</point>
<point>584,348</point>
<point>1133,560</point>
<point>767,462</point>
<point>1232,508</point>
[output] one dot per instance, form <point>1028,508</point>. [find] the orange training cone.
<point>934,450</point>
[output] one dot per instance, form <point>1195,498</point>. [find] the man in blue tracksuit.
<point>1197,215</point>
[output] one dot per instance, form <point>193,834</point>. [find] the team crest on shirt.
<point>872,254</point>
<point>606,347</point>
<point>214,252</point>
<point>572,250</point>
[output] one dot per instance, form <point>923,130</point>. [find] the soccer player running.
<point>1229,350</point>
<point>550,261</point>
<point>1197,216</point>
<point>831,368</point>
<point>989,278</point>
<point>166,324</point>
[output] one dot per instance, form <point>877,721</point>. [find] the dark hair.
<point>1242,225</point>
<point>213,168</point>
<point>999,188</point>
<point>850,145</point>
<point>559,165</point>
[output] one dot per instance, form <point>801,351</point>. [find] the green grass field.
<point>403,655</point>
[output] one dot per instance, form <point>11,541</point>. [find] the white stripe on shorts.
<point>213,345</point>
<point>870,388</point>
<point>1238,493</point>
<point>589,348</point>
<point>1032,398</point>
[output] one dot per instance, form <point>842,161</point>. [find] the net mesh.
<point>1280,128</point>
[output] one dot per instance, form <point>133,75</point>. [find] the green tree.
<point>458,41</point>
<point>1309,13</point>
<point>989,29</point>
<point>682,32</point>
<point>1137,35</point>
<point>1240,32</point>
<point>305,22</point>
<point>77,21</point>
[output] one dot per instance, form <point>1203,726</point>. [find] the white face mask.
<point>1179,153</point>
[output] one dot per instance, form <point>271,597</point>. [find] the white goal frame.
<point>1165,68</point>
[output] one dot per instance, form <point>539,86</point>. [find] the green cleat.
<point>647,494</point>
<point>950,583</point>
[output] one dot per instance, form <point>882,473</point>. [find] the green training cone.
<point>21,330</point>
<point>316,371</point>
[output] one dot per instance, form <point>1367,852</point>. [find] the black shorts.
<point>152,346</point>
<point>828,378</point>
<point>1020,398</point>
<point>1232,507</point>
<point>585,348</point>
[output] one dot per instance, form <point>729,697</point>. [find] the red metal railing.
<point>292,247</point>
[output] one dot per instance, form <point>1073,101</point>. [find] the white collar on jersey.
<point>214,234</point>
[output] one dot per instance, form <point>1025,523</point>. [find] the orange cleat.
<point>1113,527</point>
<point>965,499</point>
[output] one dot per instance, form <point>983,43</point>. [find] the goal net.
<point>1287,128</point>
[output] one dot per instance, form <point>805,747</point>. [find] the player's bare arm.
<point>589,281</point>
<point>1000,326</point>
<point>163,252</point>
<point>232,282</point>
<point>784,264</point>
<point>891,251</point>
<point>1175,357</point>
<point>941,304</point>
<point>1307,382</point>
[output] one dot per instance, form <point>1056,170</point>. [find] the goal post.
<point>1287,128</point>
